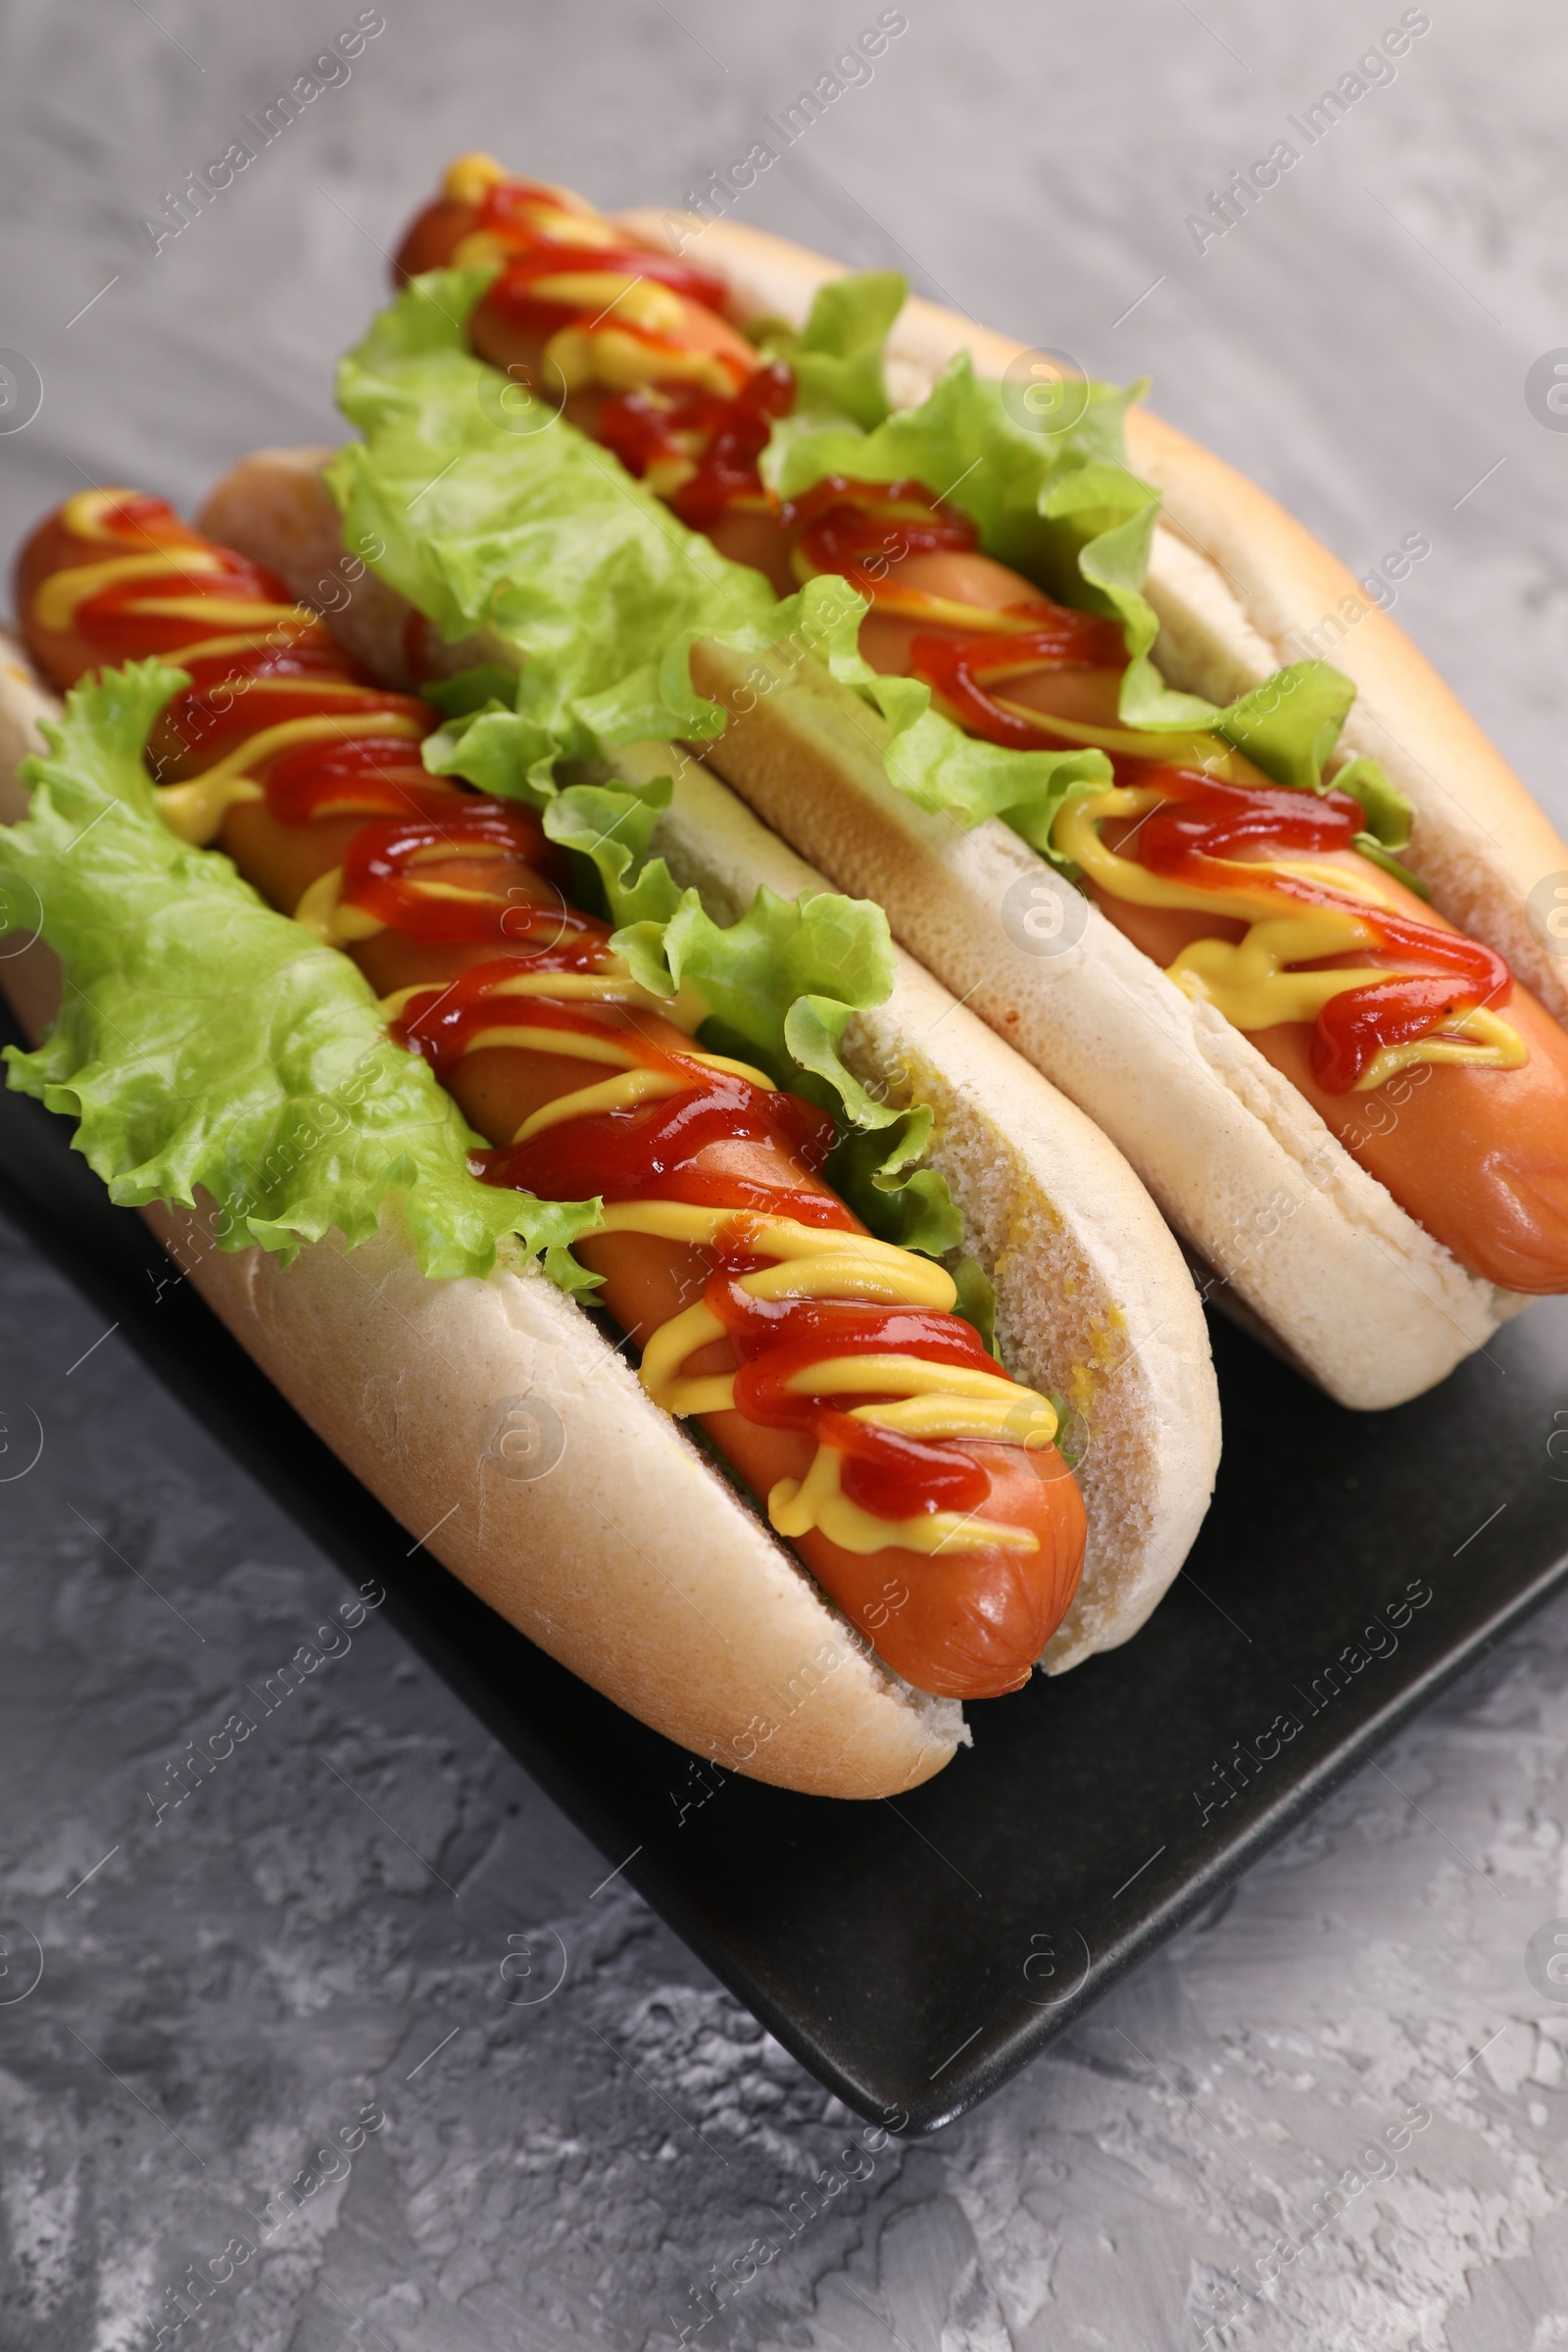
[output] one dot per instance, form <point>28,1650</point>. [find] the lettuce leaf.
<point>544,539</point>
<point>1063,509</point>
<point>207,1042</point>
<point>837,359</point>
<point>541,538</point>
<point>600,594</point>
<point>511,747</point>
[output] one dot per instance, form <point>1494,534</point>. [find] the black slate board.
<point>914,1955</point>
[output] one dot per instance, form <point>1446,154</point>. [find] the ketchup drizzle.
<point>235,695</point>
<point>1203,821</point>
<point>729,436</point>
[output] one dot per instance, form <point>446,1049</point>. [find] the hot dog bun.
<point>631,1559</point>
<point>1309,1247</point>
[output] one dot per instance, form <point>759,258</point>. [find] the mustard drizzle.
<point>607,343</point>
<point>1247,980</point>
<point>195,809</point>
<point>923,1399</point>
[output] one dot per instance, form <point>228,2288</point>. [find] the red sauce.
<point>844,524</point>
<point>864,529</point>
<point>215,723</point>
<point>235,695</point>
<point>651,1152</point>
<point>724,438</point>
<point>780,1340</point>
<point>1203,821</point>
<point>365,775</point>
<point>391,861</point>
<point>647,1153</point>
<point>540,248</point>
<point>895,1477</point>
<point>1048,637</point>
<point>721,437</point>
<point>108,620</point>
<point>510,213</point>
<point>885,1472</point>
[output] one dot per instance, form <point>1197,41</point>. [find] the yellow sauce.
<point>58,597</point>
<point>470,178</point>
<point>914,1395</point>
<point>608,355</point>
<point>196,809</point>
<point>927,1400</point>
<point>1249,980</point>
<point>639,302</point>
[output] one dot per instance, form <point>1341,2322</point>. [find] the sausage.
<point>514,332</point>
<point>1478,1156</point>
<point>967,577</point>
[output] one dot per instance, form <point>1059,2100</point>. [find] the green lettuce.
<point>599,593</point>
<point>1063,508</point>
<point>207,1042</point>
<point>543,539</point>
<point>1060,506</point>
<point>837,360</point>
<point>1290,726</point>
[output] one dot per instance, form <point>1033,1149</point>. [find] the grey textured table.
<point>309,1949</point>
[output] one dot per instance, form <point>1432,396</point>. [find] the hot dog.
<point>916,1480</point>
<point>1391,993</point>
